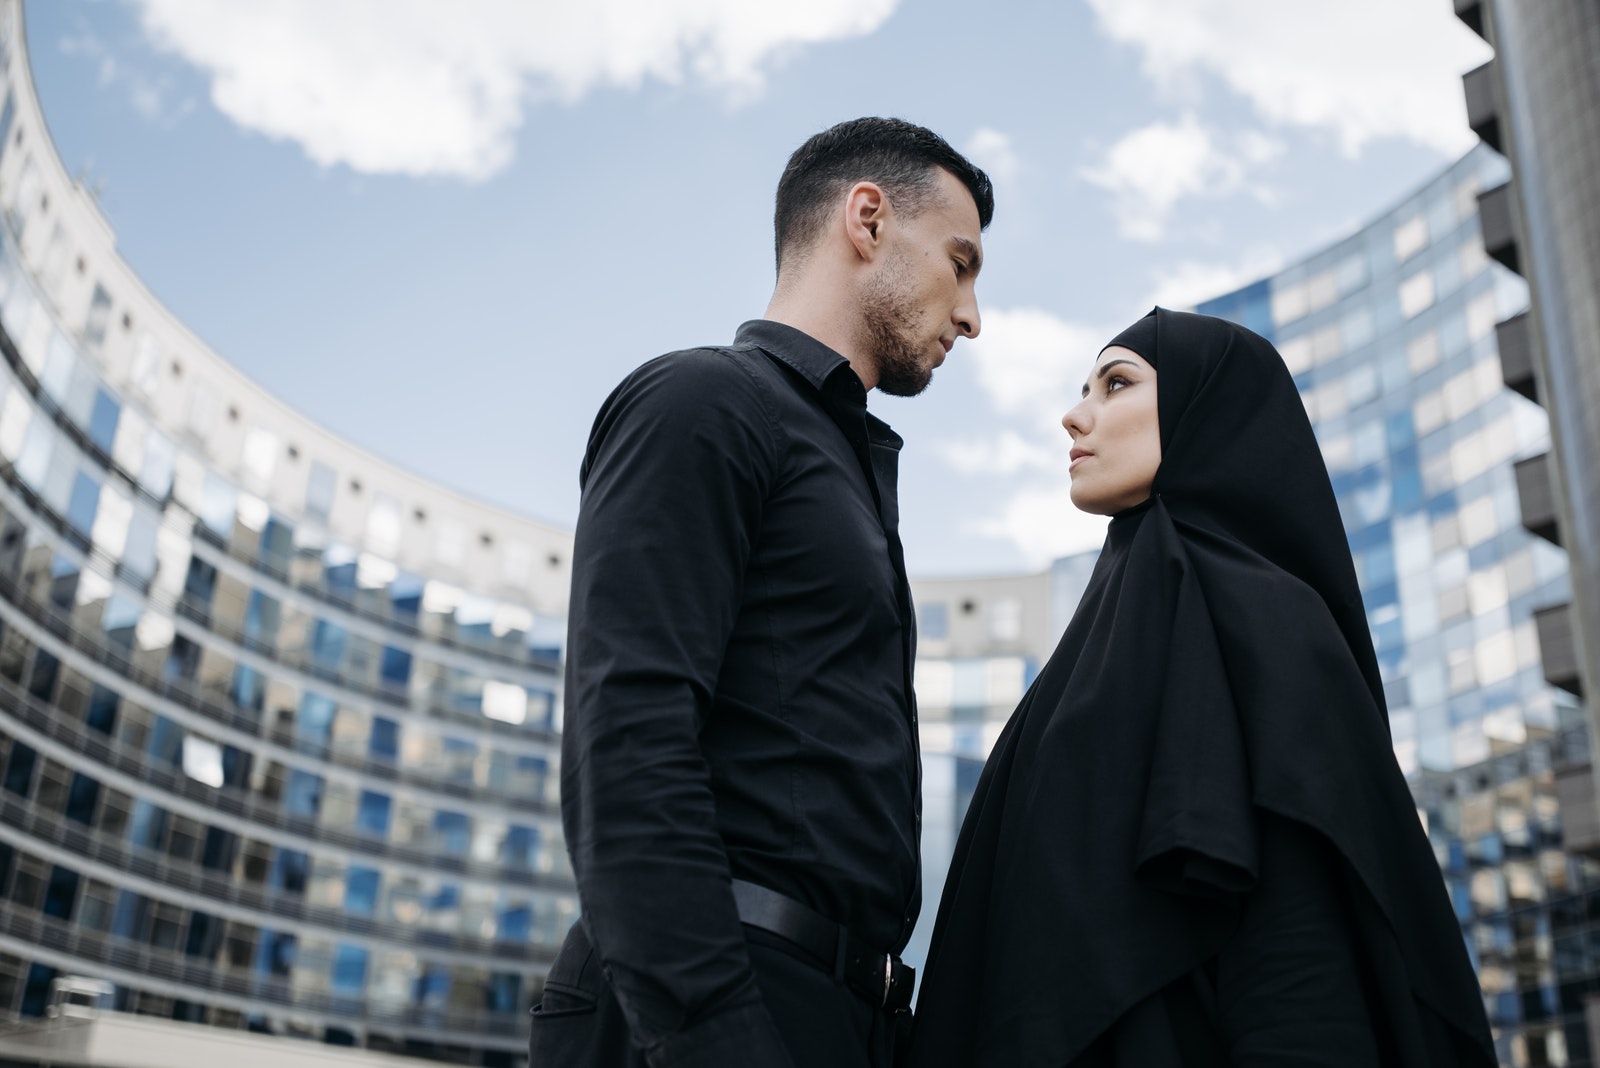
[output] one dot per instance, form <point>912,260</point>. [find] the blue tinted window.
<point>314,724</point>
<point>277,542</point>
<point>85,501</point>
<point>275,953</point>
<point>249,688</point>
<point>396,667</point>
<point>933,621</point>
<point>302,795</point>
<point>128,921</point>
<point>385,739</point>
<point>102,713</point>
<point>19,769</point>
<point>289,870</point>
<point>349,969</point>
<point>166,741</point>
<point>361,891</point>
<point>328,642</point>
<point>82,797</point>
<point>503,992</point>
<point>521,847</point>
<point>432,986</point>
<point>372,813</point>
<point>147,826</point>
<point>261,618</point>
<point>452,830</point>
<point>103,422</point>
<point>36,991</point>
<point>516,924</point>
<point>61,893</point>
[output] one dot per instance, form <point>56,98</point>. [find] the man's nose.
<point>967,321</point>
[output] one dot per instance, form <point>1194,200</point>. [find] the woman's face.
<point>1116,434</point>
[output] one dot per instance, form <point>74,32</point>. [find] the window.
<point>82,797</point>
<point>361,891</point>
<point>1410,237</point>
<point>521,847</point>
<point>148,826</point>
<point>933,621</point>
<point>314,724</point>
<point>1416,294</point>
<point>452,832</point>
<point>349,969</point>
<point>302,796</point>
<point>384,742</point>
<point>320,486</point>
<point>395,667</point>
<point>61,893</point>
<point>275,953</point>
<point>94,326</point>
<point>84,503</point>
<point>372,813</point>
<point>103,421</point>
<point>289,871</point>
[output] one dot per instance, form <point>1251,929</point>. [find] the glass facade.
<point>1390,335</point>
<point>278,723</point>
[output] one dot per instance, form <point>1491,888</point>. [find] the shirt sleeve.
<point>679,463</point>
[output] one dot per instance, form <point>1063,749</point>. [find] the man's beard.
<point>888,327</point>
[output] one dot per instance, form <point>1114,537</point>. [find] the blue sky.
<point>447,239</point>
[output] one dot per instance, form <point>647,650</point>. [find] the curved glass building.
<point>278,721</point>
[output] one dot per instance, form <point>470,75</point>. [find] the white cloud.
<point>1187,283</point>
<point>1005,454</point>
<point>1042,523</point>
<point>417,88</point>
<point>1154,167</point>
<point>1031,365</point>
<point>1365,69</point>
<point>994,152</point>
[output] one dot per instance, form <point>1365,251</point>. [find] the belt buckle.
<point>888,979</point>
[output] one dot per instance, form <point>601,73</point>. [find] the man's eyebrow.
<point>1104,368</point>
<point>970,251</point>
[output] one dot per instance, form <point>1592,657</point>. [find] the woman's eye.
<point>1116,382</point>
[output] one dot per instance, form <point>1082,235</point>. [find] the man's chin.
<point>905,385</point>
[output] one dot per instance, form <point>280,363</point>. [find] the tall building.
<point>1391,336</point>
<point>1538,102</point>
<point>278,720</point>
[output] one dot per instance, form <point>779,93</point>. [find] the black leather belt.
<point>877,976</point>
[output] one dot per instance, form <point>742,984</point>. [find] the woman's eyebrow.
<point>1105,367</point>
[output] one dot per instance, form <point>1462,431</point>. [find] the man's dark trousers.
<point>823,1022</point>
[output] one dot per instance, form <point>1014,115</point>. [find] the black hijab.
<point>1219,663</point>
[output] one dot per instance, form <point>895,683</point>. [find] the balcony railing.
<point>97,648</point>
<point>256,812</point>
<point>201,975</point>
<point>202,885</point>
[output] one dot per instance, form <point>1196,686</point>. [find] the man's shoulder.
<point>708,363</point>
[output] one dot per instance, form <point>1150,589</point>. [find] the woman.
<point>1192,845</point>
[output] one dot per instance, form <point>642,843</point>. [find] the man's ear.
<point>866,210</point>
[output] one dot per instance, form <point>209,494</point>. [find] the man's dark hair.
<point>902,158</point>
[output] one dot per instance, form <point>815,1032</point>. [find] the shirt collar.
<point>821,366</point>
<point>810,358</point>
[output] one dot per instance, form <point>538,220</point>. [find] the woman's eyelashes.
<point>1117,382</point>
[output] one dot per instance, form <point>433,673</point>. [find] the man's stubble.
<point>889,319</point>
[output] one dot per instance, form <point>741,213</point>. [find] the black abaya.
<point>1192,840</point>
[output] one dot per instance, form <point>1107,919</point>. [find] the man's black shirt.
<point>738,693</point>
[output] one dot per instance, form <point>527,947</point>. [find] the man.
<point>740,774</point>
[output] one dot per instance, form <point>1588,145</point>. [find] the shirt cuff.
<point>745,1036</point>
